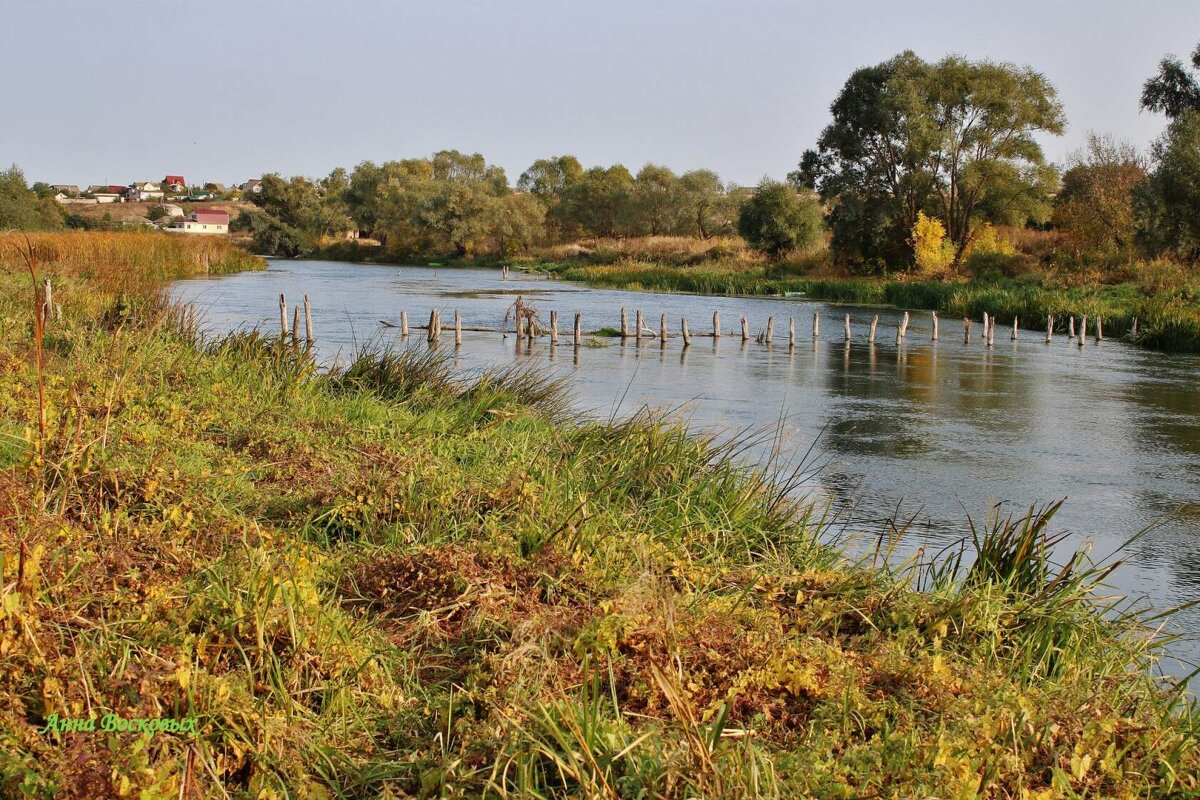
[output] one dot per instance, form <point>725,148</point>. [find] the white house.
<point>143,192</point>
<point>252,186</point>
<point>204,220</point>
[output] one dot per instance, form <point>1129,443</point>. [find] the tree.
<point>1095,207</point>
<point>955,139</point>
<point>777,219</point>
<point>549,179</point>
<point>21,208</point>
<point>654,206</point>
<point>271,236</point>
<point>1167,203</point>
<point>599,203</point>
<point>705,207</point>
<point>1174,91</point>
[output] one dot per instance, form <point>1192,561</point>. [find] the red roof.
<point>175,179</point>
<point>211,216</point>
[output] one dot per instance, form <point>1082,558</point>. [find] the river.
<point>925,431</point>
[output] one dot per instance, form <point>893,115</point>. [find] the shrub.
<point>777,220</point>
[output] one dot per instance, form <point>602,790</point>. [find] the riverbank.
<point>389,580</point>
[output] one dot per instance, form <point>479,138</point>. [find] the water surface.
<point>928,431</point>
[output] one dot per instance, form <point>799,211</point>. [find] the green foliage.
<point>955,139</point>
<point>1095,207</point>
<point>777,219</point>
<point>1168,202</point>
<point>22,209</point>
<point>271,237</point>
<point>1174,90</point>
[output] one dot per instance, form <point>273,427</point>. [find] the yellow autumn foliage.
<point>933,251</point>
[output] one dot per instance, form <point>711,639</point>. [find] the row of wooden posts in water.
<point>528,327</point>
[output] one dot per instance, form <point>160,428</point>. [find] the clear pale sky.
<point>119,91</point>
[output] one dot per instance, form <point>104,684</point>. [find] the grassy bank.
<point>387,582</point>
<point>1168,319</point>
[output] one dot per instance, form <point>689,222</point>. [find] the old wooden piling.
<point>1071,329</point>
<point>308,328</point>
<point>991,338</point>
<point>662,330</point>
<point>935,326</point>
<point>874,324</point>
<point>404,324</point>
<point>745,330</point>
<point>283,331</point>
<point>638,324</point>
<point>1049,329</point>
<point>770,329</point>
<point>904,326</point>
<point>458,328</point>
<point>434,327</point>
<point>985,328</point>
<point>716,324</point>
<point>791,333</point>
<point>687,334</point>
<point>296,325</point>
<point>966,330</point>
<point>578,334</point>
<point>1014,331</point>
<point>847,327</point>
<point>1082,329</point>
<point>553,327</point>
<point>816,325</point>
<point>1099,328</point>
<point>1133,332</point>
<point>624,324</point>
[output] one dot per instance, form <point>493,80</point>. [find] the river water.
<point>925,431</point>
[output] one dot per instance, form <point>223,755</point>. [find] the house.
<point>174,183</point>
<point>107,197</point>
<point>252,186</point>
<point>143,192</point>
<point>202,220</point>
<point>68,189</point>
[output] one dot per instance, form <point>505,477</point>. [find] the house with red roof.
<point>174,183</point>
<point>202,220</point>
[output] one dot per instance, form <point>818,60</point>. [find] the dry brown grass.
<point>120,212</point>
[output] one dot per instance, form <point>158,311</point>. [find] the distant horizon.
<point>242,90</point>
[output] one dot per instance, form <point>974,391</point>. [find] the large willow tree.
<point>956,140</point>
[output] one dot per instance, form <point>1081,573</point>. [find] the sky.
<point>125,90</point>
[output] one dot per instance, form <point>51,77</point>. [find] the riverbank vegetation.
<point>396,581</point>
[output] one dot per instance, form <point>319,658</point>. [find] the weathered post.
<point>1099,328</point>
<point>791,333</point>
<point>296,325</point>
<point>745,330</point>
<point>847,327</point>
<point>308,330</point>
<point>404,324</point>
<point>874,324</point>
<point>1049,329</point>
<point>578,328</point>
<point>530,332</point>
<point>662,330</point>
<point>716,324</point>
<point>816,325</point>
<point>899,333</point>
<point>431,333</point>
<point>1014,333</point>
<point>966,330</point>
<point>1071,329</point>
<point>770,329</point>
<point>283,331</point>
<point>638,324</point>
<point>458,328</point>
<point>553,327</point>
<point>904,326</point>
<point>985,328</point>
<point>991,331</point>
<point>624,324</point>
<point>935,326</point>
<point>1082,329</point>
<point>1133,333</point>
<point>687,335</point>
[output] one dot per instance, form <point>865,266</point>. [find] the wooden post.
<point>791,333</point>
<point>874,324</point>
<point>1099,328</point>
<point>308,332</point>
<point>578,328</point>
<point>1133,333</point>
<point>431,334</point>
<point>687,335</point>
<point>1082,329</point>
<point>530,332</point>
<point>991,339</point>
<point>296,325</point>
<point>816,326</point>
<point>554,327</point>
<point>966,330</point>
<point>662,330</point>
<point>716,324</point>
<point>624,324</point>
<point>904,326</point>
<point>770,329</point>
<point>935,326</point>
<point>458,328</point>
<point>282,317</point>
<point>404,324</point>
<point>47,308</point>
<point>1049,329</point>
<point>899,333</point>
<point>1014,333</point>
<point>638,324</point>
<point>745,330</point>
<point>1071,329</point>
<point>985,328</point>
<point>847,327</point>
